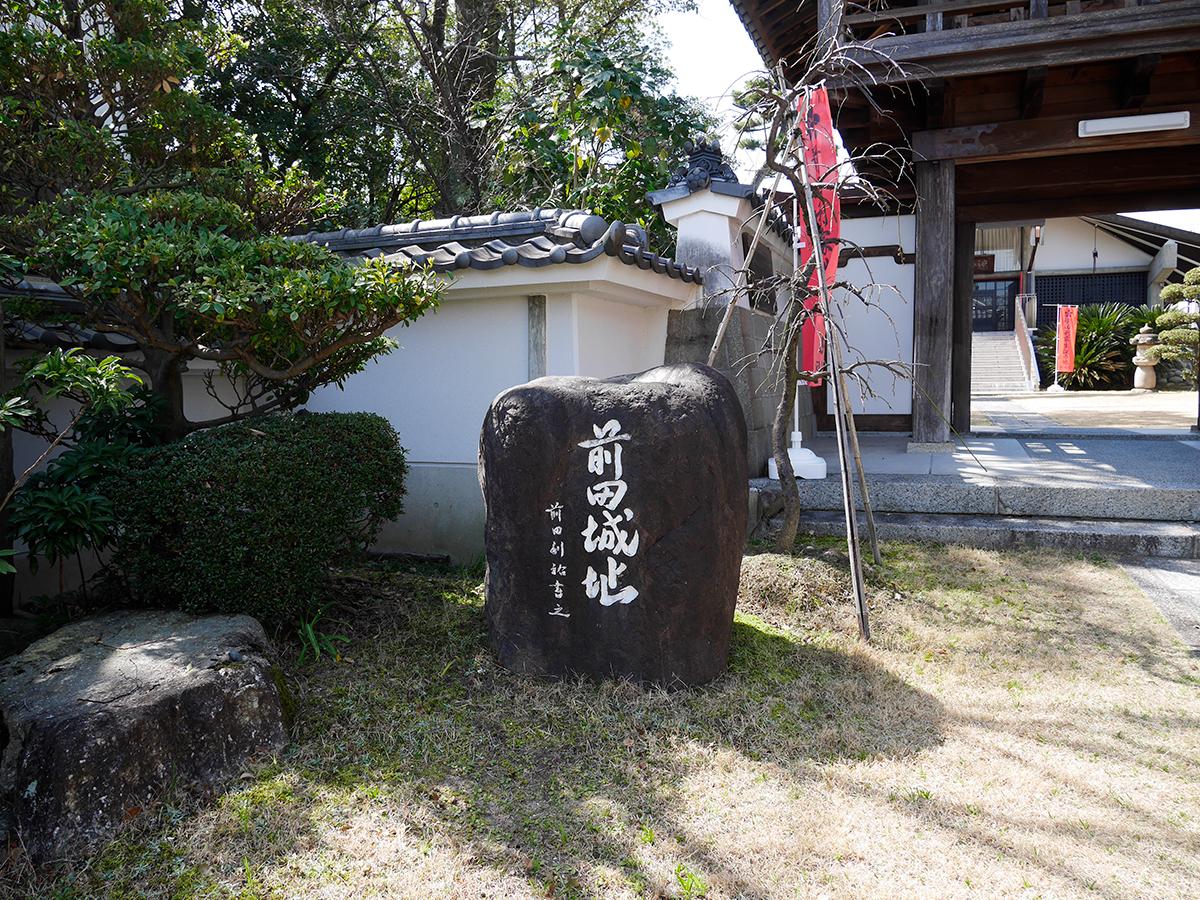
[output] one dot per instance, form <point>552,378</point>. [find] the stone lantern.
<point>1144,377</point>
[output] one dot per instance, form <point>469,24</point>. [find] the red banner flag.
<point>1068,324</point>
<point>821,162</point>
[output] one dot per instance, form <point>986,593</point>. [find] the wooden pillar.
<point>537,336</point>
<point>964,291</point>
<point>933,301</point>
<point>829,23</point>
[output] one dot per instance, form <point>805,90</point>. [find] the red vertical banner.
<point>816,135</point>
<point>1068,324</point>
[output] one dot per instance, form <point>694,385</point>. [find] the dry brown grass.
<point>1022,725</point>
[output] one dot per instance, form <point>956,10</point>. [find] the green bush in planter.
<point>248,517</point>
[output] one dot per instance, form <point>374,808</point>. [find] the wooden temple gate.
<point>1013,110</point>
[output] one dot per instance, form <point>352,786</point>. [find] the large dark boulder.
<point>616,521</point>
<point>105,715</point>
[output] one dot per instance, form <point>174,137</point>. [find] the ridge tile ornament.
<point>616,520</point>
<point>706,164</point>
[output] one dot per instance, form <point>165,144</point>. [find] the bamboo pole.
<point>872,536</point>
<point>834,358</point>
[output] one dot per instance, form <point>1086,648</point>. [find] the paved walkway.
<point>1122,412</point>
<point>1060,462</point>
<point>1174,586</point>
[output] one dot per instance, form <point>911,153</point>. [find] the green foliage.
<point>248,517</point>
<point>690,884</point>
<point>95,97</point>
<point>1177,328</point>
<point>156,211</point>
<point>61,511</point>
<point>289,311</point>
<point>13,411</point>
<point>1102,349</point>
<point>361,97</point>
<point>314,641</point>
<point>96,385</point>
<point>602,132</point>
<point>57,520</point>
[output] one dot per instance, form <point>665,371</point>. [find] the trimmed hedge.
<point>248,517</point>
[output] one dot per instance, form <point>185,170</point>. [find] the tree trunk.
<point>8,477</point>
<point>781,434</point>
<point>165,371</point>
<point>7,480</point>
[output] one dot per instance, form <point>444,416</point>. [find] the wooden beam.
<point>1097,174</point>
<point>1171,26</point>
<point>1057,136</point>
<point>933,302</point>
<point>916,13</point>
<point>964,296</point>
<point>1078,205</point>
<point>1033,92</point>
<point>1135,81</point>
<point>894,252</point>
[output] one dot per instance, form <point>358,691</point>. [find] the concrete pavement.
<point>1174,586</point>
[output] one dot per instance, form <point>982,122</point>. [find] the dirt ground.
<point>1022,725</point>
<point>1123,410</point>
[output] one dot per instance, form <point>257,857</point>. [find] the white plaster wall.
<point>619,338</point>
<point>562,336</point>
<point>437,387</point>
<point>435,390</point>
<point>1067,245</point>
<point>883,330</point>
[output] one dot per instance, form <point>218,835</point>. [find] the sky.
<point>710,51</point>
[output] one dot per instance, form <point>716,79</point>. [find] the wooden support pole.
<point>964,290</point>
<point>933,302</point>
<point>537,335</point>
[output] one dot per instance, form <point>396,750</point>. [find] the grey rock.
<point>675,542</point>
<point>105,715</point>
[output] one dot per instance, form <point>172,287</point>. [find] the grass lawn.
<point>1023,724</point>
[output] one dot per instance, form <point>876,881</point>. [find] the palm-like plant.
<point>1102,350</point>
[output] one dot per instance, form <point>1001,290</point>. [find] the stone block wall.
<point>1176,375</point>
<point>757,376</point>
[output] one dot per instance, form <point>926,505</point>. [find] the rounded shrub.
<point>248,517</point>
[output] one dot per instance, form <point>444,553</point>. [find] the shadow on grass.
<point>567,787</point>
<point>560,779</point>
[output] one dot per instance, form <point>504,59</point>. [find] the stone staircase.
<point>996,369</point>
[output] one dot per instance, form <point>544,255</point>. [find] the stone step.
<point>1125,538</point>
<point>994,497</point>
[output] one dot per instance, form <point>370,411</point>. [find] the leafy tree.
<point>71,518</point>
<point>407,108</point>
<point>162,219</point>
<point>600,134</point>
<point>154,211</point>
<point>189,277</point>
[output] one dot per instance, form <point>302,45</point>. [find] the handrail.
<point>1033,377</point>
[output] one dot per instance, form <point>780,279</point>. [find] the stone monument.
<point>616,521</point>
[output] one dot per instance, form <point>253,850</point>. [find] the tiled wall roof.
<point>540,237</point>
